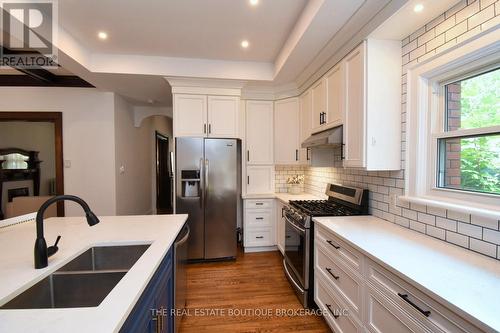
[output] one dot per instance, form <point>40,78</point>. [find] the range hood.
<point>331,138</point>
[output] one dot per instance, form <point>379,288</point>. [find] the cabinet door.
<point>286,131</point>
<point>280,226</point>
<point>354,129</point>
<point>335,96</point>
<point>384,316</point>
<point>190,115</point>
<point>260,179</point>
<point>259,132</point>
<point>223,116</point>
<point>318,105</point>
<point>305,125</point>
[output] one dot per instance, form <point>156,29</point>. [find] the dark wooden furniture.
<point>32,172</point>
<point>53,117</point>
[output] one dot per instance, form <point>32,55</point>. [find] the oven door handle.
<point>290,278</point>
<point>303,231</point>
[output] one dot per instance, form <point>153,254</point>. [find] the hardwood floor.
<point>254,287</point>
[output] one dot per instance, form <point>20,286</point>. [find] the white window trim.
<point>424,104</point>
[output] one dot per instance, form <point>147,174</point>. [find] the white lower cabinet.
<point>384,316</point>
<point>334,310</point>
<point>259,229</point>
<point>372,295</point>
<point>280,226</point>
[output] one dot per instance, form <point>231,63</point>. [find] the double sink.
<point>83,282</point>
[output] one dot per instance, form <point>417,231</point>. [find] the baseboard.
<point>261,249</point>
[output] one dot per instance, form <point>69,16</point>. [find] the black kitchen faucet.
<point>42,253</point>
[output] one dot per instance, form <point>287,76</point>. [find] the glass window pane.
<point>473,102</point>
<point>470,164</point>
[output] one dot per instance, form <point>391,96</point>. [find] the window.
<point>469,146</point>
<point>452,137</point>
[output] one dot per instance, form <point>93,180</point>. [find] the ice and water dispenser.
<point>190,181</point>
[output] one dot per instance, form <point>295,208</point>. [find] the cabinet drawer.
<point>258,218</point>
<point>339,249</point>
<point>346,283</point>
<point>336,314</point>
<point>259,237</point>
<point>259,204</point>
<point>383,316</point>
<point>410,299</point>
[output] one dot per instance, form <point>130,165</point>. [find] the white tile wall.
<point>283,172</point>
<point>463,21</point>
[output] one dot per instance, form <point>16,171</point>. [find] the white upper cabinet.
<point>372,119</point>
<point>223,116</point>
<point>354,129</point>
<point>305,104</point>
<point>318,92</point>
<point>206,116</point>
<point>259,132</point>
<point>190,115</point>
<point>335,96</point>
<point>286,131</point>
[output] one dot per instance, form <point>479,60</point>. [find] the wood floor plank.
<point>247,295</point>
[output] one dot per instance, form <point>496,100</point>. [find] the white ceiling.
<point>399,26</point>
<point>292,42</point>
<point>208,29</point>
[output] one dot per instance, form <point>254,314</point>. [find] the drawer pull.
<point>407,300</point>
<point>259,218</point>
<point>329,307</point>
<point>335,246</point>
<point>259,237</point>
<point>329,270</point>
<point>259,203</point>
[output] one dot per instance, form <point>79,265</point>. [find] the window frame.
<point>440,128</point>
<point>425,124</point>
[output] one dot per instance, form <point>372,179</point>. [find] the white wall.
<point>133,153</point>
<point>33,136</point>
<point>88,139</point>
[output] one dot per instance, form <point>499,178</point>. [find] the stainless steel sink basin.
<point>105,258</point>
<point>83,282</point>
<point>67,291</point>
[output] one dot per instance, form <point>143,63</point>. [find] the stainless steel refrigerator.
<point>208,188</point>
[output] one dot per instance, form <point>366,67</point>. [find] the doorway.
<point>164,175</point>
<point>54,118</point>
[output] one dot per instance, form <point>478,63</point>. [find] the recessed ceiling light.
<point>418,8</point>
<point>102,35</point>
<point>254,2</point>
<point>245,44</point>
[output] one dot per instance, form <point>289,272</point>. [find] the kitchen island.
<point>17,272</point>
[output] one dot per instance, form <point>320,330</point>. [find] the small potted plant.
<point>294,183</point>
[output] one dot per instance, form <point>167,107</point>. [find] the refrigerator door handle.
<point>202,192</point>
<point>206,180</point>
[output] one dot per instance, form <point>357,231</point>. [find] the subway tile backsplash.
<point>463,21</point>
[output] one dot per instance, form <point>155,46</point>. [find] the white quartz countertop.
<point>284,197</point>
<point>17,272</point>
<point>466,282</point>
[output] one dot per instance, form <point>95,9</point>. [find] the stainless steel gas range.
<point>298,261</point>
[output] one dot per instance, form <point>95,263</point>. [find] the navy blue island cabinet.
<point>152,312</point>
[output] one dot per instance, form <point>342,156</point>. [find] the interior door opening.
<point>164,176</point>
